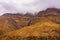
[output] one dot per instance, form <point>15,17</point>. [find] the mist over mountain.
<point>23,6</point>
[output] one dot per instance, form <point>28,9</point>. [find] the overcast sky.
<point>14,6</point>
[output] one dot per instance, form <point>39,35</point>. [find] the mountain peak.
<point>52,9</point>
<point>12,14</point>
<point>49,11</point>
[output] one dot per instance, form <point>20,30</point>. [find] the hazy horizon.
<point>23,6</point>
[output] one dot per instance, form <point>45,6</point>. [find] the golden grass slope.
<point>43,28</point>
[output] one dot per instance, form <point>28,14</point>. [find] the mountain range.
<point>44,25</point>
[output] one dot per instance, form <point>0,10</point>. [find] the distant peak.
<point>49,11</point>
<point>10,14</point>
<point>52,9</point>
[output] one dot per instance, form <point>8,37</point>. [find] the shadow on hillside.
<point>33,38</point>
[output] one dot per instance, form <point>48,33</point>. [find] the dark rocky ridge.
<point>49,11</point>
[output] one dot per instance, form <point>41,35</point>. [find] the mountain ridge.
<point>29,25</point>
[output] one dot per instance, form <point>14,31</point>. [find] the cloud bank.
<point>23,6</point>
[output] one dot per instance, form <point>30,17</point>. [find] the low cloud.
<point>23,6</point>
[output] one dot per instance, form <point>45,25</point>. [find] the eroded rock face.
<point>11,22</point>
<point>52,14</point>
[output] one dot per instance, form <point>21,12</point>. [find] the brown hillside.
<point>45,23</point>
<point>44,28</point>
<point>52,14</point>
<point>11,22</point>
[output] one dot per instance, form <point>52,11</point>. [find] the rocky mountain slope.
<point>11,22</point>
<point>45,24</point>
